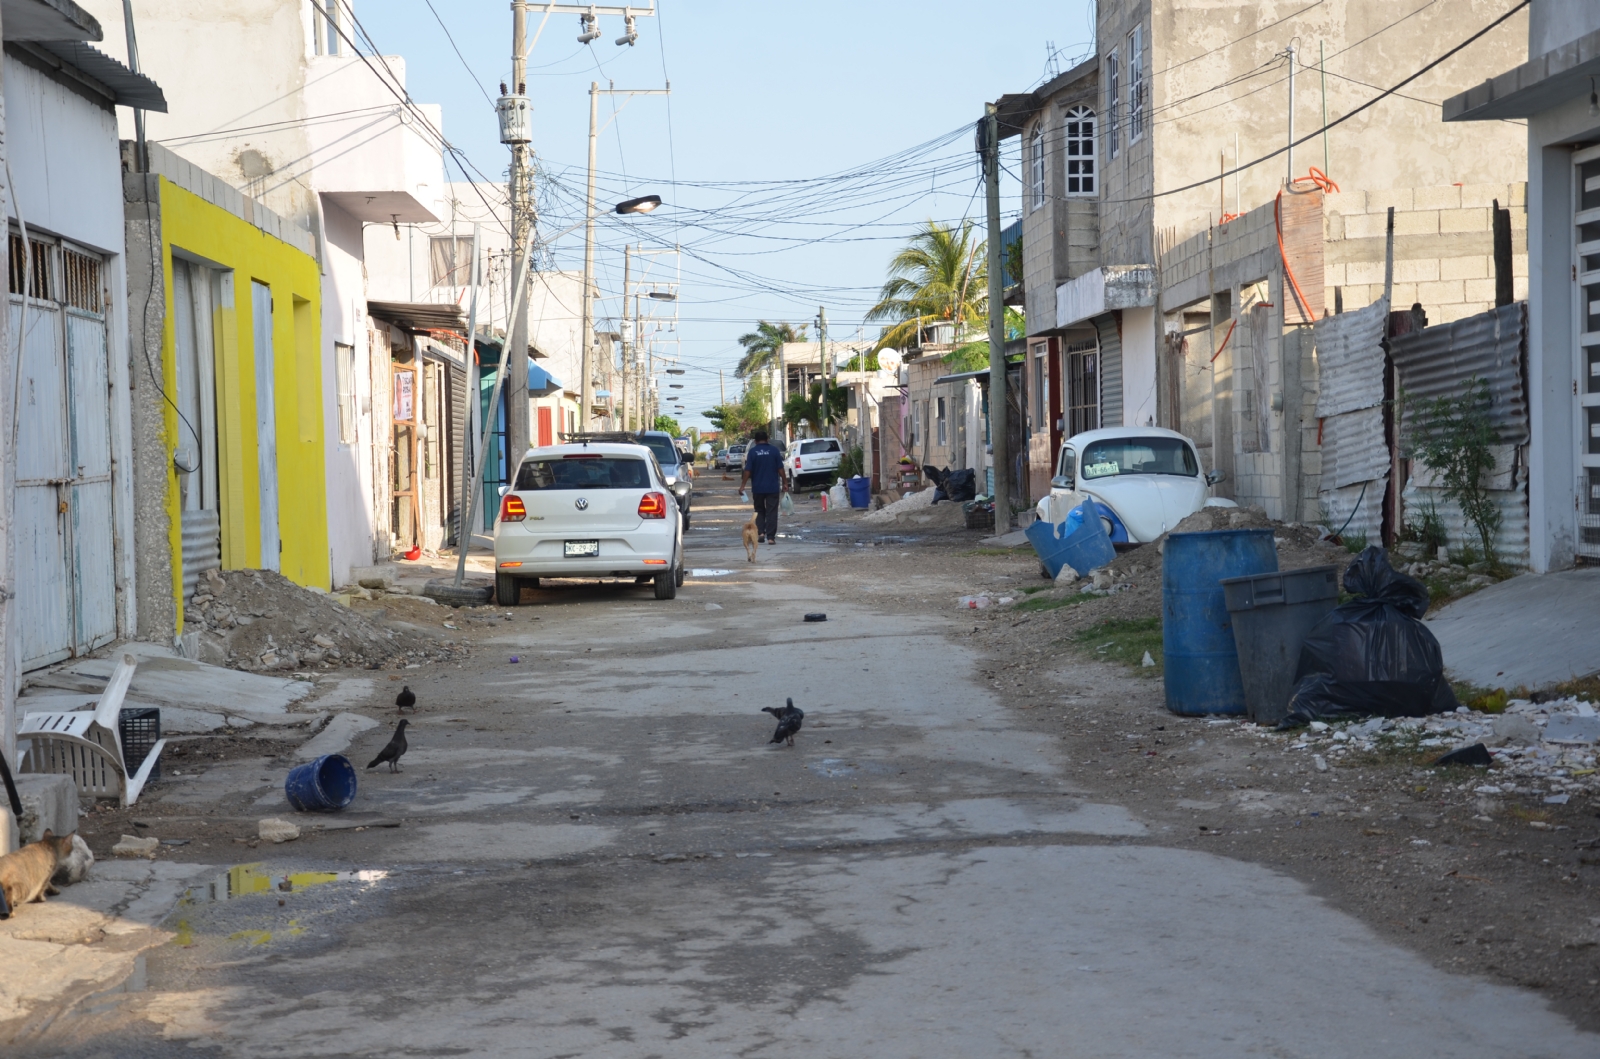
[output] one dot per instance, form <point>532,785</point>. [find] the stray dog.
<point>25,875</point>
<point>751,538</point>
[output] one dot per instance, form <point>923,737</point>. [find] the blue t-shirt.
<point>765,464</point>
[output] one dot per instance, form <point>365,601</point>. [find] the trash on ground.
<point>273,829</point>
<point>978,602</point>
<point>1373,655</point>
<point>324,785</point>
<point>713,606</point>
<point>816,616</point>
<point>134,846</point>
<point>1476,755</point>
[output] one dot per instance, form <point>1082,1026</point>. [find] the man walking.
<point>763,473</point>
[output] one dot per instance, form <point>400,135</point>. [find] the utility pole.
<point>1291,114</point>
<point>469,459</point>
<point>587,338</point>
<point>822,362</point>
<point>1001,459</point>
<point>627,337</point>
<point>514,355</point>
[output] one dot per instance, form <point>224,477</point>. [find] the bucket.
<point>1086,548</point>
<point>325,785</point>
<point>1272,614</point>
<point>860,491</point>
<point>1200,658</point>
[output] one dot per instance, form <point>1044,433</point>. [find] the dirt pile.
<point>260,620</point>
<point>918,510</point>
<point>1298,545</point>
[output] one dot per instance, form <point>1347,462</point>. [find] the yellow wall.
<point>193,225</point>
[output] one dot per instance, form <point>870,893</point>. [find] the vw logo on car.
<point>582,503</point>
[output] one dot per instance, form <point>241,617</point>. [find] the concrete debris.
<point>1533,748</point>
<point>273,829</point>
<point>134,846</point>
<point>912,503</point>
<point>257,619</point>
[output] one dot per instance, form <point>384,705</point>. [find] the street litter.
<point>273,829</point>
<point>134,846</point>
<point>1372,655</point>
<point>816,616</point>
<point>978,602</point>
<point>1079,542</point>
<point>1476,755</point>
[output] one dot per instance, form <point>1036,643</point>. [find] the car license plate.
<point>581,548</point>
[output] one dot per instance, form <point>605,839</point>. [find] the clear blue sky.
<point>766,99</point>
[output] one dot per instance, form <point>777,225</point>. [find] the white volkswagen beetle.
<point>1143,480</point>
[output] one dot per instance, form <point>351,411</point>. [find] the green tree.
<point>974,356</point>
<point>807,408</point>
<point>1456,440</point>
<point>667,423</point>
<point>737,419</point>
<point>940,276</point>
<point>761,345</point>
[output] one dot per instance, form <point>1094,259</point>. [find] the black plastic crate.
<point>140,728</point>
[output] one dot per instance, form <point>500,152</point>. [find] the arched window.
<point>1036,167</point>
<point>1080,151</point>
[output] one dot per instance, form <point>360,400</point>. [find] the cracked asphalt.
<point>599,855</point>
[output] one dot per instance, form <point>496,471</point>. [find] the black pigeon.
<point>789,719</point>
<point>406,700</point>
<point>396,748</point>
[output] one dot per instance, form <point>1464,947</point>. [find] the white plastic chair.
<point>87,745</point>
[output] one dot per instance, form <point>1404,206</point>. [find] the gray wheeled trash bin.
<point>1272,613</point>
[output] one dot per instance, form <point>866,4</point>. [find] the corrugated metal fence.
<point>1355,458</point>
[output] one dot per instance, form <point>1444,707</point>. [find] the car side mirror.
<point>504,489</point>
<point>1216,476</point>
<point>1061,481</point>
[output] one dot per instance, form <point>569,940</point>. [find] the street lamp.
<point>643,204</point>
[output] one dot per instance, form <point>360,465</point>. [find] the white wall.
<point>67,167</point>
<point>350,470</point>
<point>1138,367</point>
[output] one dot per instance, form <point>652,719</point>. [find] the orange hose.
<point>1218,353</point>
<point>1277,218</point>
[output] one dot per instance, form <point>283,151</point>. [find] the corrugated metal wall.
<point>1355,456</point>
<point>1350,359</point>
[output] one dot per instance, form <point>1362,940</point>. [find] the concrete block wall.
<point>220,193</point>
<point>1444,247</point>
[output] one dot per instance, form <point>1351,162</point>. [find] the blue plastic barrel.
<point>1084,549</point>
<point>1201,661</point>
<point>860,491</point>
<point>325,785</point>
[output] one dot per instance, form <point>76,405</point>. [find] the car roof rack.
<point>620,437</point>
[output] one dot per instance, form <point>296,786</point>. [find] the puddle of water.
<point>245,879</point>
<point>833,767</point>
<point>709,573</point>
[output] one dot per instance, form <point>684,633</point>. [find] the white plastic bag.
<point>786,505</point>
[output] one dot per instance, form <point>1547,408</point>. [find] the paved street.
<point>600,856</point>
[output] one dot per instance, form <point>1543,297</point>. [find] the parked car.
<point>675,464</point>
<point>1143,481</point>
<point>598,510</point>
<point>814,461</point>
<point>735,461</point>
<point>720,460</point>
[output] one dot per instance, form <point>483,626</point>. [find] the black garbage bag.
<point>1371,656</point>
<point>961,485</point>
<point>937,476</point>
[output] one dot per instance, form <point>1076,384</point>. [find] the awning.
<point>1104,289</point>
<point>95,70</point>
<point>981,375</point>
<point>420,316</point>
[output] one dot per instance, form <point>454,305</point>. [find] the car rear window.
<point>1102,459</point>
<point>664,449</point>
<point>808,448</point>
<point>583,472</point>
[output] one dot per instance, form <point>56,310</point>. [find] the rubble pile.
<point>260,620</point>
<point>1455,578</point>
<point>1547,749</point>
<point>917,509</point>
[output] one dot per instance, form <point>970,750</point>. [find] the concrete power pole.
<point>1001,459</point>
<point>822,364</point>
<point>514,357</point>
<point>586,391</point>
<point>627,338</point>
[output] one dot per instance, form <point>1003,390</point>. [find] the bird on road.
<point>406,700</point>
<point>789,718</point>
<point>392,753</point>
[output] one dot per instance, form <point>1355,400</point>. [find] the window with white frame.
<point>1136,108</point>
<point>325,26</point>
<point>344,374</point>
<point>1113,99</point>
<point>1080,151</point>
<point>1036,167</point>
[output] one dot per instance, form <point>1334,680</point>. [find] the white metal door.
<point>192,298</point>
<point>66,560</point>
<point>266,426</point>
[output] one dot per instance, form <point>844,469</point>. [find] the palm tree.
<point>761,345</point>
<point>939,276</point>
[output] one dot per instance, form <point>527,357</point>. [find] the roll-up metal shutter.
<point>1110,370</point>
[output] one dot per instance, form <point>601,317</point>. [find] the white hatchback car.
<point>1143,480</point>
<point>596,510</point>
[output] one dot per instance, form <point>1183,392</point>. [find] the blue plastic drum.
<point>325,785</point>
<point>860,491</point>
<point>1201,661</point>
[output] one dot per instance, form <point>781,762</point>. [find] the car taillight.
<point>653,505</point>
<point>512,509</point>
<point>797,463</point>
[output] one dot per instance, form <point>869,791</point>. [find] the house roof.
<point>1538,84</point>
<point>420,316</point>
<point>1015,108</point>
<point>48,20</point>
